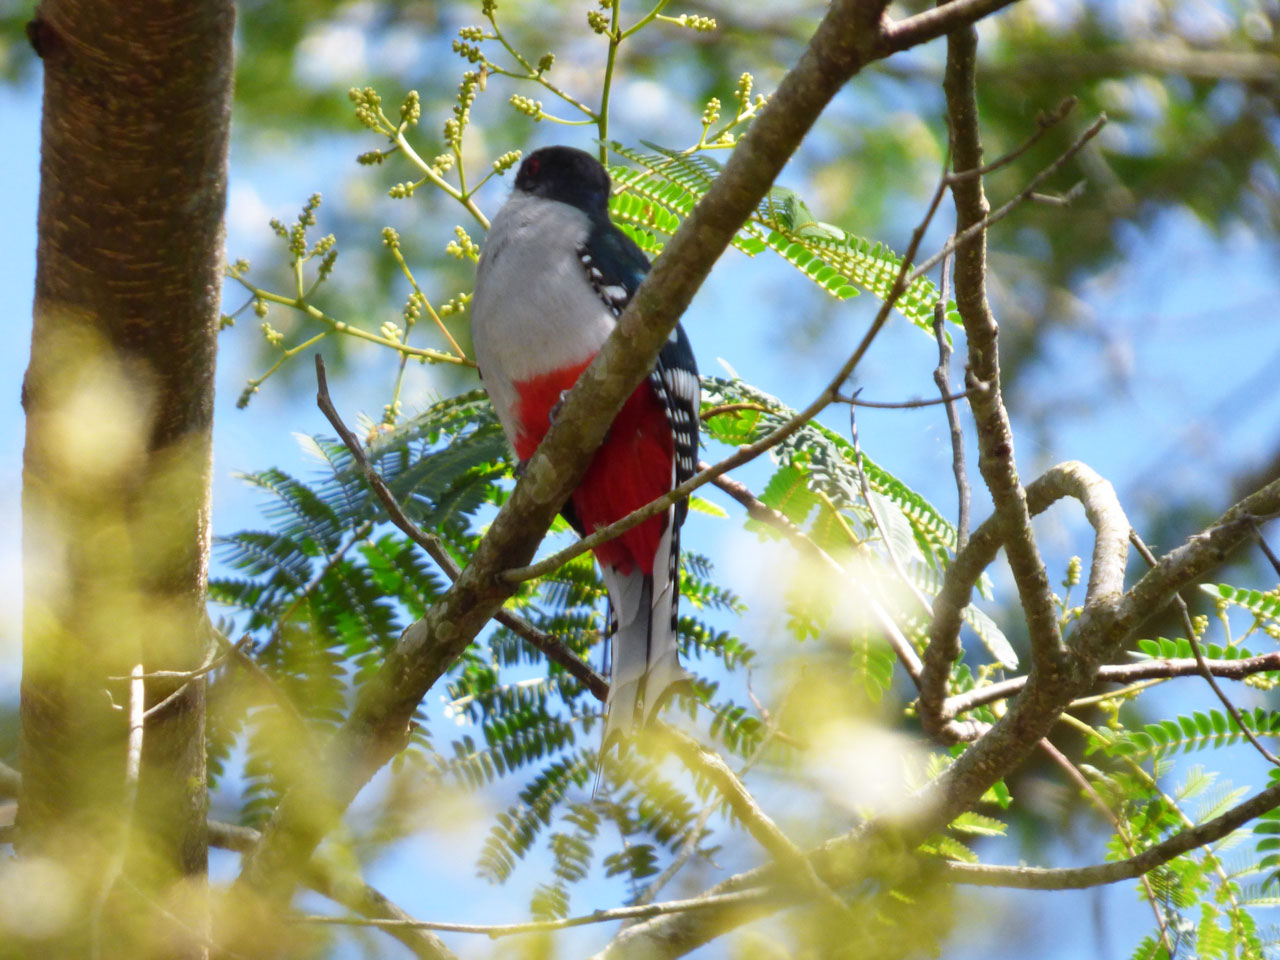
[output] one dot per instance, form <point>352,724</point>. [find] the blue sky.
<point>1164,385</point>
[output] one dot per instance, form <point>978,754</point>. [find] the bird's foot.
<point>554,412</point>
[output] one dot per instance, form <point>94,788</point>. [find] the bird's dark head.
<point>571,176</point>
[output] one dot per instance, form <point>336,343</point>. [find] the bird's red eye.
<point>531,165</point>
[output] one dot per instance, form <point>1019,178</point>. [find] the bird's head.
<point>566,174</point>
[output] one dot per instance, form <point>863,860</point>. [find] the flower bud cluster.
<point>457,305</point>
<point>506,161</point>
<point>413,308</point>
<point>530,108</point>
<point>274,336</point>
<point>368,106</point>
<point>454,126</point>
<point>692,21</point>
<point>463,248</point>
<point>411,109</point>
<point>711,115</point>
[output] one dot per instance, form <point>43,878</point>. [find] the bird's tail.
<point>645,659</point>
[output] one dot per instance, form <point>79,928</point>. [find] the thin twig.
<point>210,663</point>
<point>869,500</point>
<point>1044,123</point>
<point>1201,663</point>
<point>694,834</point>
<point>1122,673</point>
<point>496,930</point>
<point>1266,549</point>
<point>114,871</point>
<point>791,858</point>
<point>857,401</point>
<point>1018,199</point>
<point>942,377</point>
<point>1072,771</point>
<point>731,408</point>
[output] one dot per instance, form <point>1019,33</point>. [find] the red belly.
<point>631,468</point>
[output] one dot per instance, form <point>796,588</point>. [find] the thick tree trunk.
<point>119,399</point>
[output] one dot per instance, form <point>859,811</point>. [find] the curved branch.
<point>1106,574</point>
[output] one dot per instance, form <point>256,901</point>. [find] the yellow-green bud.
<point>545,62</point>
<point>475,34</point>
<point>467,51</point>
<point>326,265</point>
<point>692,21</point>
<point>711,114</point>
<point>368,104</point>
<point>274,336</point>
<point>391,238</point>
<point>597,21</point>
<point>411,109</point>
<point>506,161</point>
<point>1073,572</point>
<point>530,108</point>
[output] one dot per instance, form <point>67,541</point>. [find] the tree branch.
<point>1078,878</point>
<point>1106,572</point>
<point>1123,674</point>
<point>995,437</point>
<point>1202,665</point>
<point>795,865</point>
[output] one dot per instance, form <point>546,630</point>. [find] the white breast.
<point>533,311</point>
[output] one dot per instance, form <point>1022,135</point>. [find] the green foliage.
<point>329,588</point>
<point>1267,830</point>
<point>650,202</point>
<point>1212,728</point>
<point>818,487</point>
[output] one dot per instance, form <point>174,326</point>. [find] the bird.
<point>554,275</point>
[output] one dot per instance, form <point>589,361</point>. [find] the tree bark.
<point>119,401</point>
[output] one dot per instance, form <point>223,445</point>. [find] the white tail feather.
<point>643,652</point>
